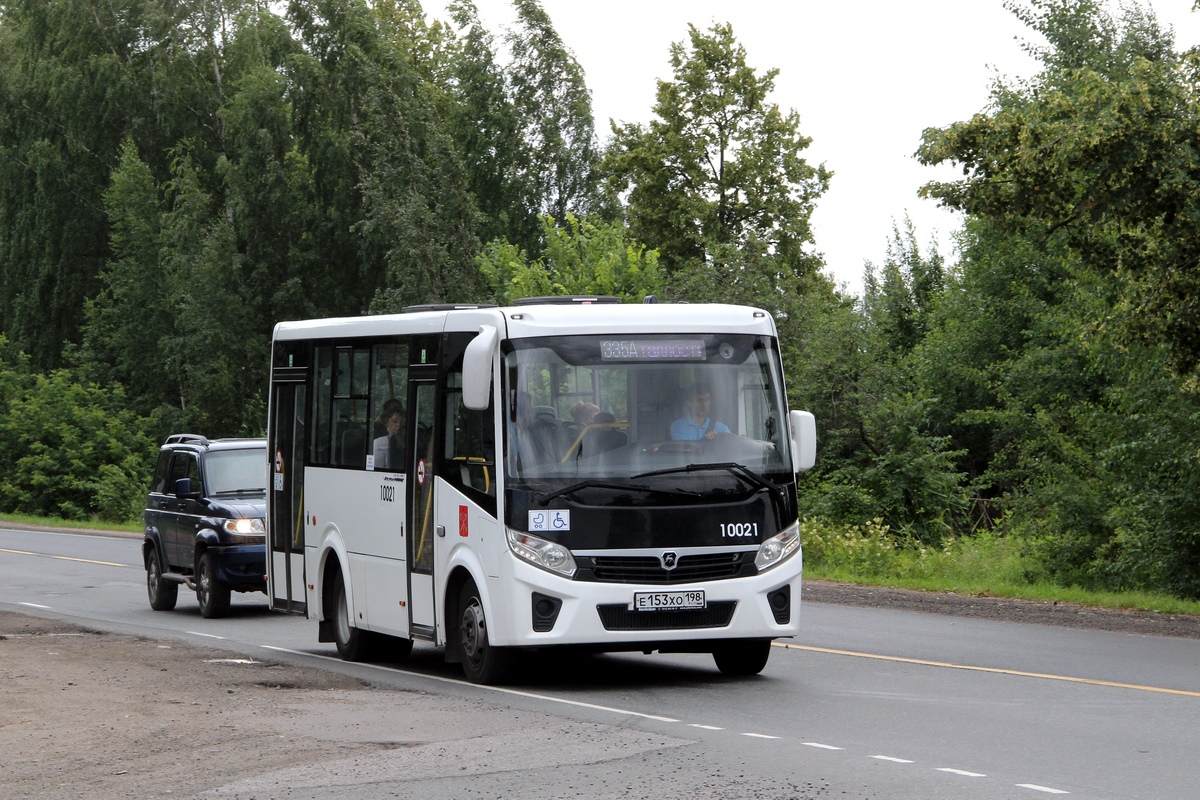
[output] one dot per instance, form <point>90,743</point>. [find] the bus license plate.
<point>668,601</point>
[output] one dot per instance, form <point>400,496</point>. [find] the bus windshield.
<point>621,408</point>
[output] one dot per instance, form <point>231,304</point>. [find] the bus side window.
<point>322,395</point>
<point>350,423</point>
<point>389,384</point>
<point>469,443</point>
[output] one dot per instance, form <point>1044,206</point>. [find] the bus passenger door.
<point>422,508</point>
<point>285,556</point>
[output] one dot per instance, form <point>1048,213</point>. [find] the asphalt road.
<point>868,703</point>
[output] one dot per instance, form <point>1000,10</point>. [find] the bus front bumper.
<point>544,609</point>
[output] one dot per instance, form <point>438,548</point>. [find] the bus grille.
<point>648,569</point>
<point>618,617</point>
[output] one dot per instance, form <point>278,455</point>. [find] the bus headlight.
<point>249,528</point>
<point>541,553</point>
<point>778,548</point>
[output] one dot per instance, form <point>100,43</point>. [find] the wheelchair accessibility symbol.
<point>552,520</point>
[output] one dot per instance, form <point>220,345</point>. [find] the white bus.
<point>562,472</point>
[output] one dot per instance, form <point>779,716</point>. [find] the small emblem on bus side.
<point>668,559</point>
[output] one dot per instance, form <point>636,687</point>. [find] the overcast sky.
<point>866,77</point>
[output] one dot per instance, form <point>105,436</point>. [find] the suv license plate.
<point>668,601</point>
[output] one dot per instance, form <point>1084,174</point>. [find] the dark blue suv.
<point>204,521</point>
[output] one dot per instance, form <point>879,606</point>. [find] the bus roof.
<point>522,321</point>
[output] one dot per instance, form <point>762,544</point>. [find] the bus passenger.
<point>696,424</point>
<point>389,448</point>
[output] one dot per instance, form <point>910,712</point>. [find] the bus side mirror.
<point>477,368</point>
<point>804,439</point>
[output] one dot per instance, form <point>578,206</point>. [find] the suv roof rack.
<point>445,307</point>
<point>567,300</point>
<point>187,438</point>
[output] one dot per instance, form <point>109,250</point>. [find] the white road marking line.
<point>34,605</point>
<point>893,759</point>
<point>497,689</point>
<point>962,772</point>
<point>822,746</point>
<point>1045,789</point>
<point>760,735</point>
<point>205,635</point>
<point>705,727</point>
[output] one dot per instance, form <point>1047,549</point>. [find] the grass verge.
<point>55,522</point>
<point>984,565</point>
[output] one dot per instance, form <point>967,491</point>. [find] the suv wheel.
<point>163,594</point>
<point>212,593</point>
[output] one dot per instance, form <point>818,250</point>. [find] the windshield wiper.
<point>740,470</point>
<point>621,487</point>
<point>248,490</point>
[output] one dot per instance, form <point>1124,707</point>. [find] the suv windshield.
<point>233,471</point>
<point>609,409</point>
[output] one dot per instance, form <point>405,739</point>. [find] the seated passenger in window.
<point>604,435</point>
<point>388,448</point>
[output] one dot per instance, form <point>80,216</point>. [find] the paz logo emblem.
<point>669,560</point>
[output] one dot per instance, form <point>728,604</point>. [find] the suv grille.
<point>648,569</point>
<point>618,617</point>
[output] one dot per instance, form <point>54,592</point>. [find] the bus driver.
<point>696,424</point>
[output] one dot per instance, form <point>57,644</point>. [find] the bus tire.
<point>163,594</point>
<point>742,658</point>
<point>211,592</point>
<point>482,662</point>
<point>353,644</point>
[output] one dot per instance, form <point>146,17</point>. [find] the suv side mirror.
<point>183,488</point>
<point>804,439</point>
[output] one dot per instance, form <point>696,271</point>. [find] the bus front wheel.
<point>352,643</point>
<point>482,661</point>
<point>742,658</point>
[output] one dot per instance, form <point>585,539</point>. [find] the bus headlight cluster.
<point>778,548</point>
<point>541,553</point>
<point>245,527</point>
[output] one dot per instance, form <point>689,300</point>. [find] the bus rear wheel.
<point>482,661</point>
<point>742,658</point>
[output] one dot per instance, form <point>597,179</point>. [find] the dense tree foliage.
<point>1064,349</point>
<point>718,183</point>
<point>178,175</point>
<point>580,257</point>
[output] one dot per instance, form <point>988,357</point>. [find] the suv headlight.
<point>778,548</point>
<point>249,528</point>
<point>541,553</point>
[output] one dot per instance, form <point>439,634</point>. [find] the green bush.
<point>70,450</point>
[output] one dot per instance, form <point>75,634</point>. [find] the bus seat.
<point>353,446</point>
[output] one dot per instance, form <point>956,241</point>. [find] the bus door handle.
<point>440,530</point>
